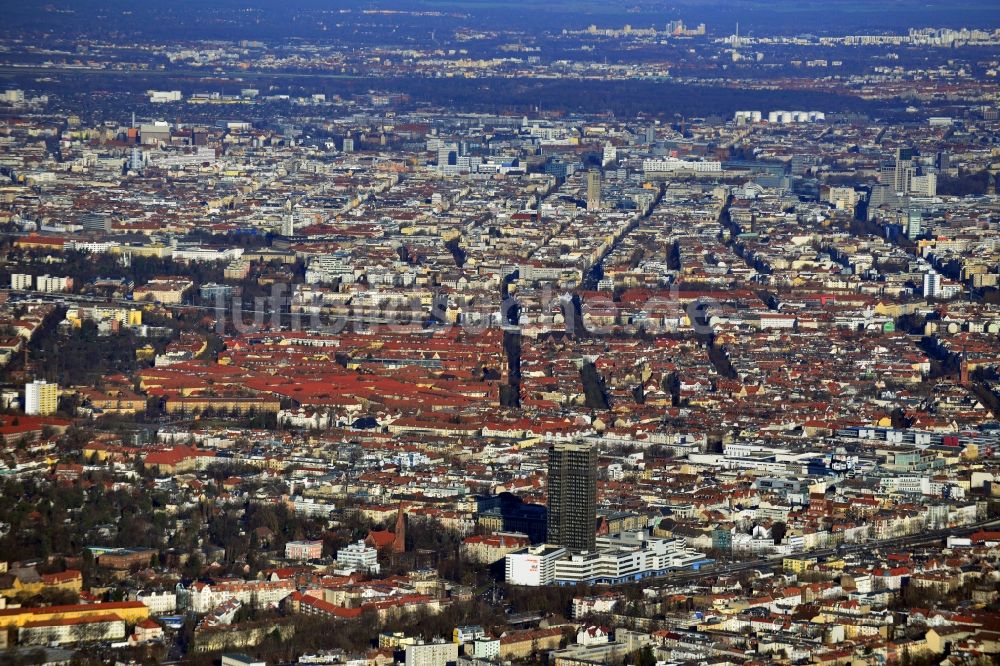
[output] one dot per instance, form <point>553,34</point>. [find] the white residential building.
<point>203,597</point>
<point>358,557</point>
<point>670,164</point>
<point>603,605</point>
<point>468,633</point>
<point>486,648</point>
<point>158,603</point>
<point>21,281</point>
<point>50,284</point>
<point>41,398</point>
<point>164,96</point>
<point>431,654</point>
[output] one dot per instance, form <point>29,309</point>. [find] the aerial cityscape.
<point>500,333</point>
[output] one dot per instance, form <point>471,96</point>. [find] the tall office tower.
<point>887,175</point>
<point>906,169</point>
<point>593,190</point>
<point>447,155</point>
<point>95,222</point>
<point>913,220</point>
<point>932,284</point>
<point>924,186</point>
<point>800,164</point>
<point>288,225</point>
<point>572,489</point>
<point>136,162</point>
<point>904,178</point>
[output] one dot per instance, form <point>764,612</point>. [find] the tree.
<point>964,184</point>
<point>778,531</point>
<point>193,565</point>
<point>642,657</point>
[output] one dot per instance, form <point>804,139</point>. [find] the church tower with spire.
<point>399,532</point>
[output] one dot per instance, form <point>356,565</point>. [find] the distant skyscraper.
<point>572,490</point>
<point>95,222</point>
<point>924,186</point>
<point>905,169</point>
<point>136,161</point>
<point>932,284</point>
<point>288,225</point>
<point>887,175</point>
<point>800,164</point>
<point>610,155</point>
<point>593,190</point>
<point>913,219</point>
<point>447,155</point>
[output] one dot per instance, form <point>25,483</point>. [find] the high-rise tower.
<point>593,190</point>
<point>572,490</point>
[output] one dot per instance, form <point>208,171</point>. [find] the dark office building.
<point>572,507</point>
<point>507,512</point>
<point>96,222</point>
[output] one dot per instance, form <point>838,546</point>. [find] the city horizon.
<point>499,333</point>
